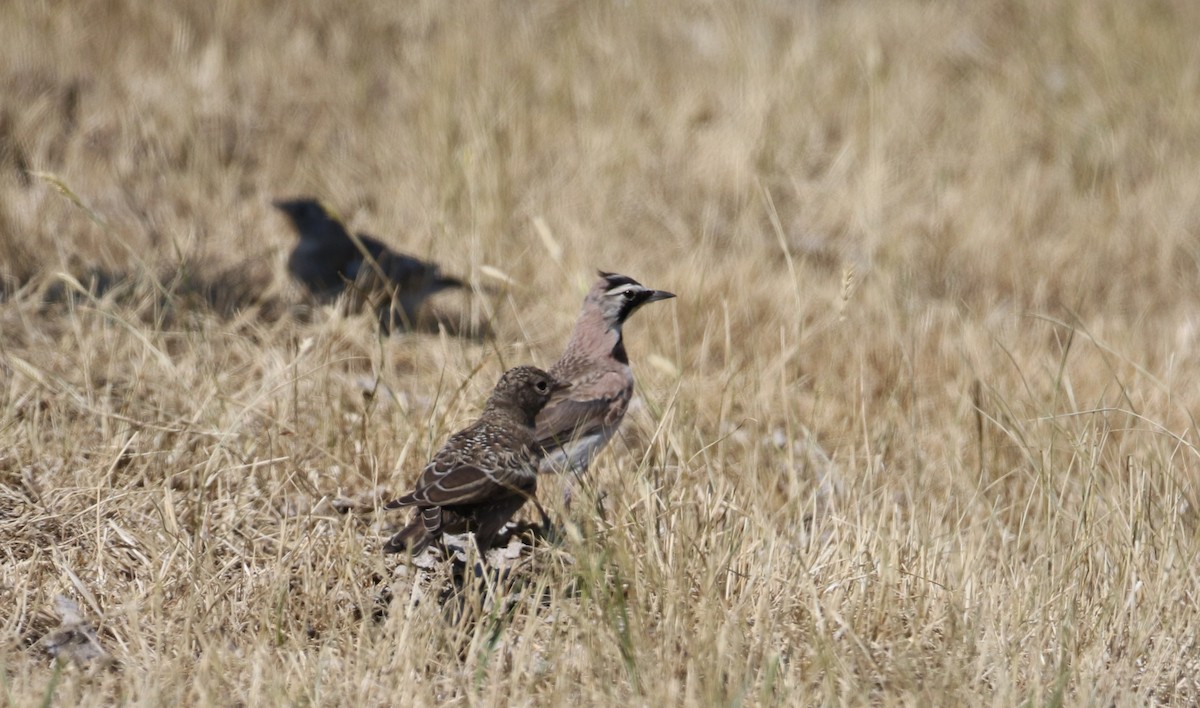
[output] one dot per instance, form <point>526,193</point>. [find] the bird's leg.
<point>546,525</point>
<point>481,545</point>
<point>573,477</point>
<point>492,519</point>
<point>569,479</point>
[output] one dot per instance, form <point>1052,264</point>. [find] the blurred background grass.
<point>918,429</point>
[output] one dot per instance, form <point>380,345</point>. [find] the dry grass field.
<point>919,428</point>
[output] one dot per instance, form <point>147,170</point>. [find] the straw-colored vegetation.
<point>918,429</point>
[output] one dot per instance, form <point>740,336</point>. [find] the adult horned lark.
<point>327,261</point>
<point>577,423</point>
<point>485,472</point>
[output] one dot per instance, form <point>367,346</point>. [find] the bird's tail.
<point>414,537</point>
<point>421,531</point>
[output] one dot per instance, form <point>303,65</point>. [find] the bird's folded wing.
<point>572,417</point>
<point>403,501</point>
<point>405,271</point>
<point>468,484</point>
<point>396,269</point>
<point>369,262</point>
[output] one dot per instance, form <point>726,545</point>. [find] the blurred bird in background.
<point>329,261</point>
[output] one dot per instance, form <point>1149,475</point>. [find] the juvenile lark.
<point>577,423</point>
<point>326,259</point>
<point>484,473</point>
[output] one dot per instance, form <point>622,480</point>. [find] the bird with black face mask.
<point>578,422</point>
<point>328,262</point>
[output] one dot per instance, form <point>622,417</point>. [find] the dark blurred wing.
<point>395,268</point>
<point>405,271</point>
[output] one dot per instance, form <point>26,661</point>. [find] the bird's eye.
<point>542,387</point>
<point>628,294</point>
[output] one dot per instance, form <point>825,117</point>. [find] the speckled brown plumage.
<point>485,472</point>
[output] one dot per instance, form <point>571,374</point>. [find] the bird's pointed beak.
<point>560,386</point>
<point>660,295</point>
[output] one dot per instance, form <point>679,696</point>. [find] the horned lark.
<point>327,261</point>
<point>577,423</point>
<point>485,472</point>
